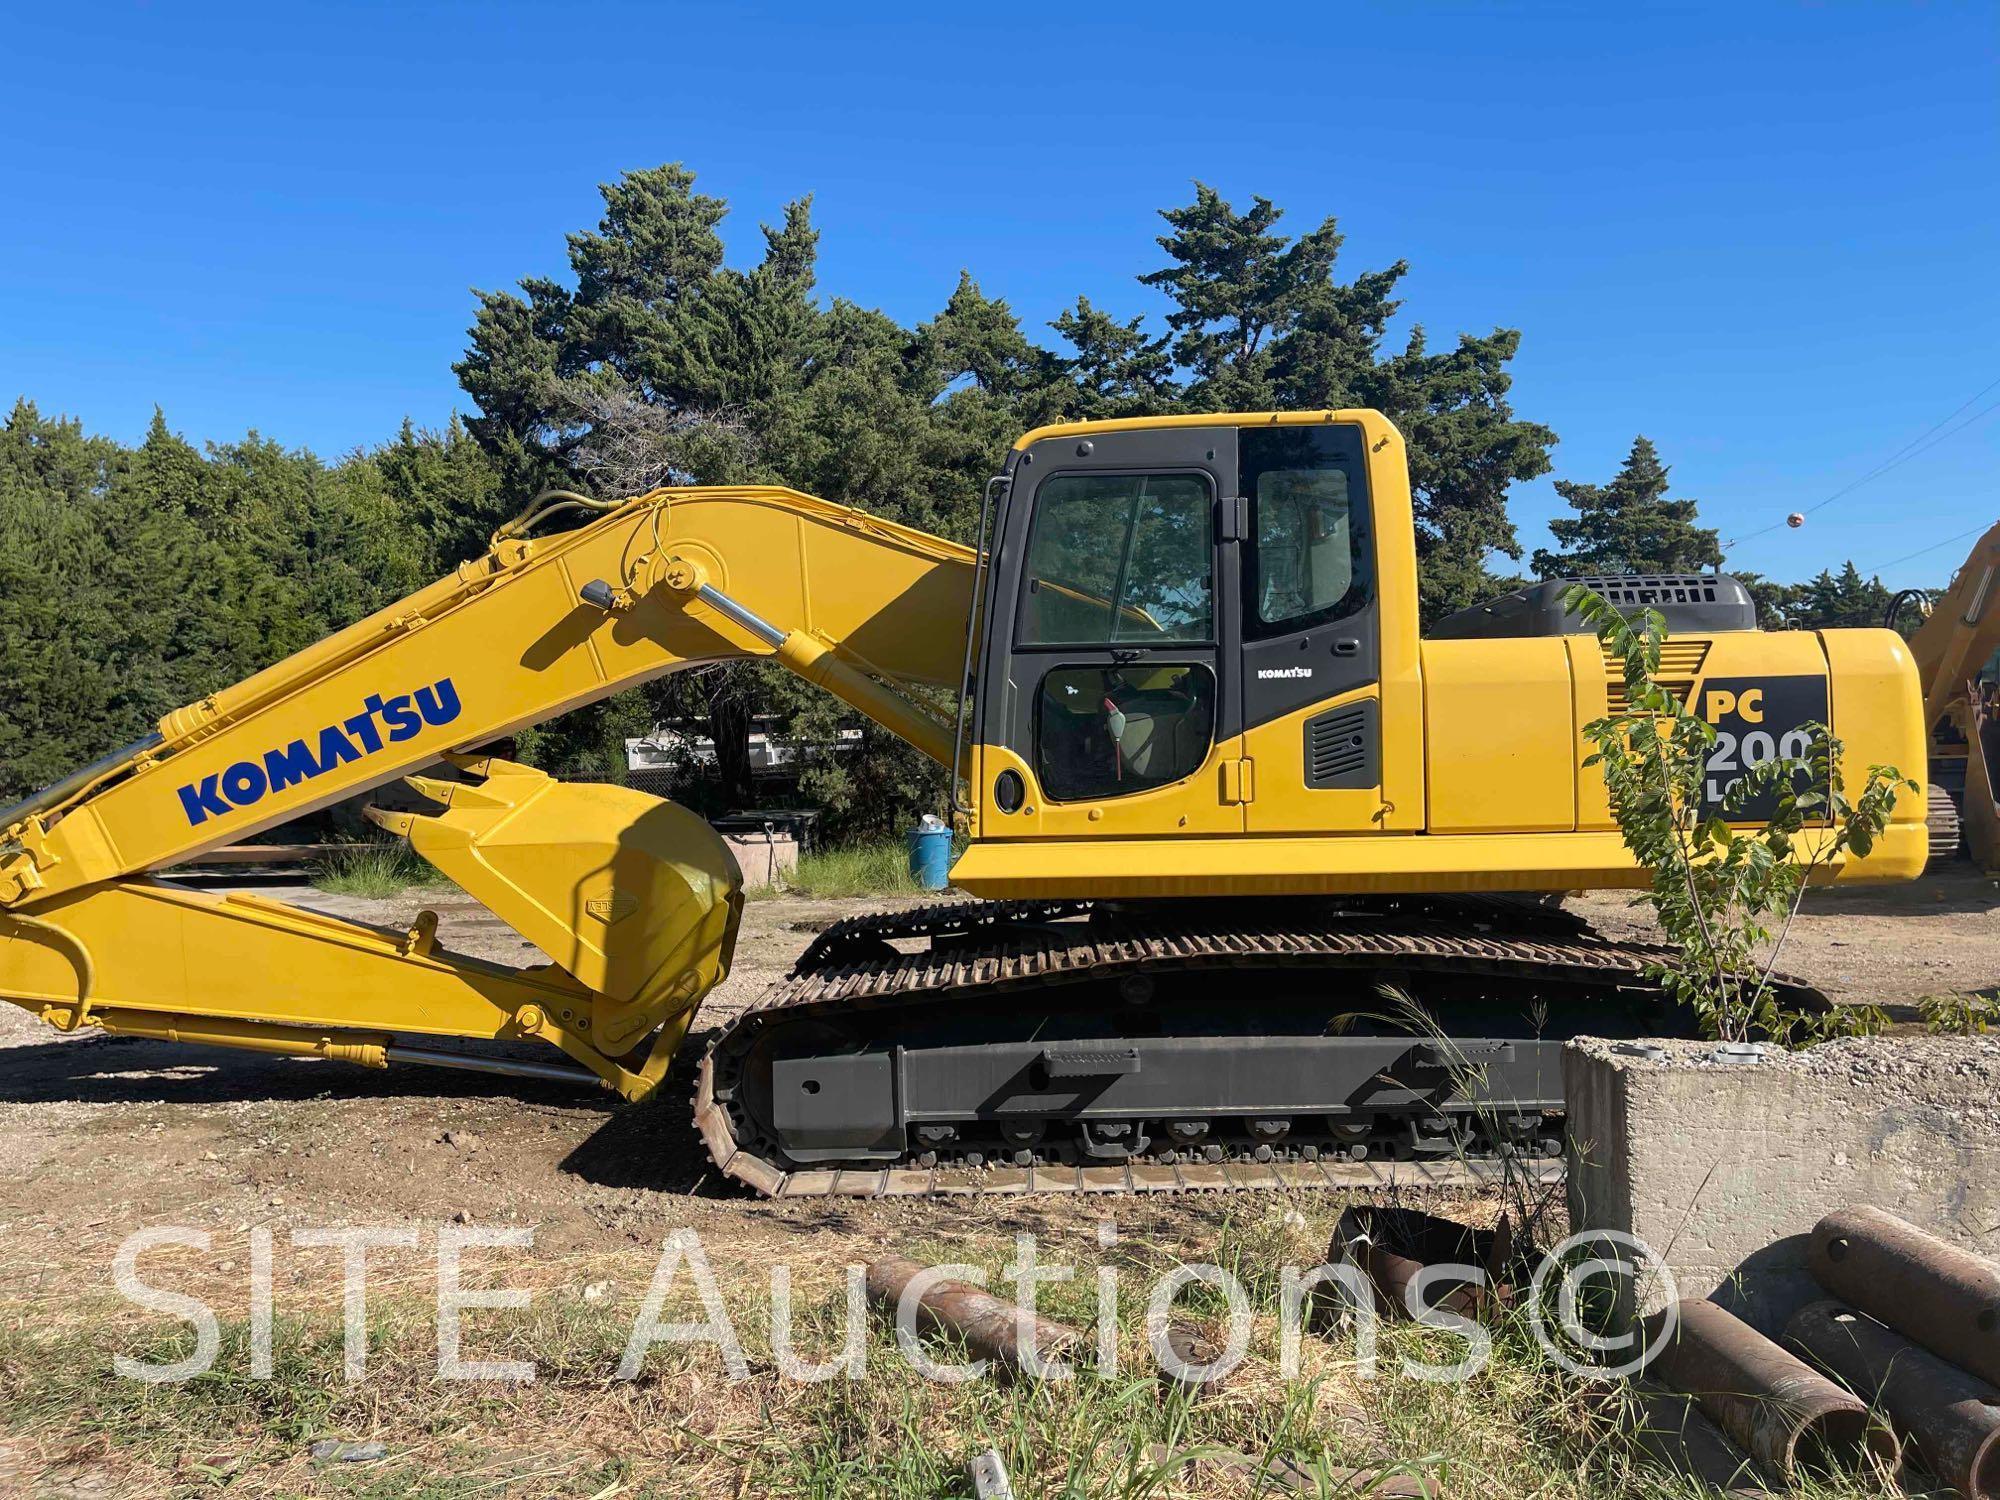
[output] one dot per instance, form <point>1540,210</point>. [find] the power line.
<point>1884,567</point>
<point>1916,447</point>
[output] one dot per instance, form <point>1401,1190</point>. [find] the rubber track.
<point>998,948</point>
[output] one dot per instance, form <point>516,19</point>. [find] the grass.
<point>1520,1428</point>
<point>376,871</point>
<point>380,871</point>
<point>881,869</point>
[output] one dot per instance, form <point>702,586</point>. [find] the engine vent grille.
<point>1632,591</point>
<point>1680,666</point>
<point>1343,747</point>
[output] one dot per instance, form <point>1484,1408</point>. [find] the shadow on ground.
<point>650,1146</point>
<point>1955,890</point>
<point>139,1070</point>
<point>653,1146</point>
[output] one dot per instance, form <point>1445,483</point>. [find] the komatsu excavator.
<point>1217,793</point>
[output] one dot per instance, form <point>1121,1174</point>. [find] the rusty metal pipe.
<point>1944,1298</point>
<point>1367,1233</point>
<point>1952,1418</point>
<point>991,1329</point>
<point>1785,1414</point>
<point>1672,1428</point>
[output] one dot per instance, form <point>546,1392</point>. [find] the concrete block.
<point>764,859</point>
<point>1723,1170</point>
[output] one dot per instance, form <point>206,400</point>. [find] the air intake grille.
<point>1631,591</point>
<point>1680,665</point>
<point>1343,748</point>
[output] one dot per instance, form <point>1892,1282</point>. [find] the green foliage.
<point>1628,525</point>
<point>1717,885</point>
<point>375,871</point>
<point>1261,322</point>
<point>1843,1020</point>
<point>1959,1015</point>
<point>880,868</point>
<point>134,580</point>
<point>1838,599</point>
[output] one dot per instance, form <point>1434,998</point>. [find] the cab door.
<point>1109,705</point>
<point>1311,630</point>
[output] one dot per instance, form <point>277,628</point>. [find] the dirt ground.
<point>97,1132</point>
<point>99,1136</point>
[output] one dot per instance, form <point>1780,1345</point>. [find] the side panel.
<point>1193,806</point>
<point>1588,701</point>
<point>1499,719</point>
<point>1878,712</point>
<point>1288,801</point>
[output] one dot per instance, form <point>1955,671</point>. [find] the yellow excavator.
<point>1217,795</point>
<point>1954,647</point>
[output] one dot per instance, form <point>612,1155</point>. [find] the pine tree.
<point>1628,525</point>
<point>1839,599</point>
<point>1261,321</point>
<point>1118,370</point>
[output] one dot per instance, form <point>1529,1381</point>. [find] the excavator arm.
<point>1950,648</point>
<point>676,578</point>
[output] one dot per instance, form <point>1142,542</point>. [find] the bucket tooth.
<point>398,823</point>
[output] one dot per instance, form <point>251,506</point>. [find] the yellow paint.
<point>1285,804</point>
<point>1504,746</point>
<point>1951,649</point>
<point>1195,805</point>
<point>1344,866</point>
<point>1376,423</point>
<point>1877,714</point>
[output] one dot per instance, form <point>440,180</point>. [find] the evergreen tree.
<point>133,581</point>
<point>1117,369</point>
<point>1628,525</point>
<point>1839,599</point>
<point>1261,322</point>
<point>1775,602</point>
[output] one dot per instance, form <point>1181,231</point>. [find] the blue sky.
<point>1765,235</point>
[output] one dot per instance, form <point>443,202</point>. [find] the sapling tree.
<point>1725,887</point>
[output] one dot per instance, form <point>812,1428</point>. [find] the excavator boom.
<point>635,899</point>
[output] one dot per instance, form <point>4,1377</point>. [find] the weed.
<point>375,871</point>
<point>881,869</point>
<point>1959,1015</point>
<point>1521,1427</point>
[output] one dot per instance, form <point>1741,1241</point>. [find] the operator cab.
<point>1161,590</point>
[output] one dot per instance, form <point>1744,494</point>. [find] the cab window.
<point>1110,731</point>
<point>1120,558</point>
<point>1308,558</point>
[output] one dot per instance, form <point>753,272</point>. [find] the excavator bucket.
<point>637,898</point>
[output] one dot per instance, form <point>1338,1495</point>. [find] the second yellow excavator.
<point>1954,647</point>
<point>1217,794</point>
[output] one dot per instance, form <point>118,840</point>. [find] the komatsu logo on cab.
<point>381,721</point>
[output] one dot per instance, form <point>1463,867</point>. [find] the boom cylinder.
<point>819,663</point>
